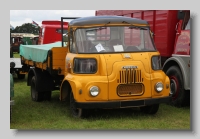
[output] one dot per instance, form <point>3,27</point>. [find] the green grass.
<point>55,114</point>
<point>16,55</point>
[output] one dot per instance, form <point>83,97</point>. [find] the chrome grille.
<point>129,76</point>
<point>130,89</point>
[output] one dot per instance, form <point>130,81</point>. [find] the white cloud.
<point>19,17</point>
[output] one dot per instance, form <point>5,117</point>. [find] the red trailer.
<point>171,33</point>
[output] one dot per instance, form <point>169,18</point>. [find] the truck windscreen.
<point>113,39</point>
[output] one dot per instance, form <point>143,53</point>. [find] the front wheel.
<point>179,96</point>
<point>151,109</point>
<point>76,112</point>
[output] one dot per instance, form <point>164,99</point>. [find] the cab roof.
<point>106,20</point>
<point>53,24</point>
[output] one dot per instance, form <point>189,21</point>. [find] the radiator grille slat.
<point>129,76</point>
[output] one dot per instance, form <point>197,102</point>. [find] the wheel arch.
<point>74,85</point>
<point>44,81</point>
<point>31,73</point>
<point>65,90</point>
<point>176,61</point>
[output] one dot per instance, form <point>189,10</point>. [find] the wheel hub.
<point>174,87</point>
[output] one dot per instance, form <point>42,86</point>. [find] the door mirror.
<point>152,34</point>
<point>181,15</point>
<point>65,38</point>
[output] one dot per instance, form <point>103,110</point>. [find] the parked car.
<point>16,68</point>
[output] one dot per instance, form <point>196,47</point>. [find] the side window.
<point>186,21</point>
<point>188,25</point>
<point>148,40</point>
<point>59,31</point>
<point>43,32</point>
<point>72,44</point>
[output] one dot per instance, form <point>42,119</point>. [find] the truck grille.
<point>129,76</point>
<point>130,89</point>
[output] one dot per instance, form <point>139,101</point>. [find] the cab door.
<point>182,42</point>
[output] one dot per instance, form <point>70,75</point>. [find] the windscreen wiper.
<point>97,28</point>
<point>134,27</point>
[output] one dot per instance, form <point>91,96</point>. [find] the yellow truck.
<point>105,62</point>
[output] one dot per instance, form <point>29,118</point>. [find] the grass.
<point>16,55</point>
<point>55,114</point>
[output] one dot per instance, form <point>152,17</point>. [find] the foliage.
<point>26,28</point>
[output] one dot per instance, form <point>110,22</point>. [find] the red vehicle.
<point>171,34</point>
<point>50,31</point>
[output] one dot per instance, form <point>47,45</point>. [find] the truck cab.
<point>112,62</point>
<point>50,31</point>
<point>16,41</point>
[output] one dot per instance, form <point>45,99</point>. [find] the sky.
<point>19,17</point>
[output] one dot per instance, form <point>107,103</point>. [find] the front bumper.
<point>123,104</point>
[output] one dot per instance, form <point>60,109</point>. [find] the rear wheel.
<point>180,97</point>
<point>151,109</point>
<point>47,95</point>
<point>35,95</point>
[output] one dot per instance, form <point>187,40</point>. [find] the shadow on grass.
<point>55,106</point>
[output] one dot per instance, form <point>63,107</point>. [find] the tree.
<point>26,28</point>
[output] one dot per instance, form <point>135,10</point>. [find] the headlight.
<point>86,65</point>
<point>94,91</point>
<point>156,62</point>
<point>159,87</point>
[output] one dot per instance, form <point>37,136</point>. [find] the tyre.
<point>35,95</point>
<point>47,95</point>
<point>180,97</point>
<point>76,112</point>
<point>151,109</point>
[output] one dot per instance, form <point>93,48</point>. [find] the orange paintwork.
<point>106,80</point>
<point>107,76</point>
